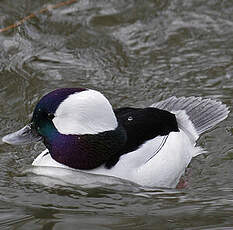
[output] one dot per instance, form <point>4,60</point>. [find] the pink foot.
<point>183,183</point>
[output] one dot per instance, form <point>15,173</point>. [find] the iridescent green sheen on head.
<point>44,112</point>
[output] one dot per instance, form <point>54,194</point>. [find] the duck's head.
<point>67,111</point>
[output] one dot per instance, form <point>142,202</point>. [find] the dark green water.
<point>136,53</point>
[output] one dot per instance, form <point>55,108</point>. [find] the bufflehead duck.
<point>150,146</point>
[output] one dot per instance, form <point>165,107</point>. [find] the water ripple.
<point>136,53</point>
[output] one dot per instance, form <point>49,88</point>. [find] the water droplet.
<point>130,118</point>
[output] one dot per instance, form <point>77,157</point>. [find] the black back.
<point>142,125</point>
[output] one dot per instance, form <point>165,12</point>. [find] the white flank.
<point>86,112</point>
<point>45,159</point>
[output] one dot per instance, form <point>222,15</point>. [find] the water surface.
<point>136,53</point>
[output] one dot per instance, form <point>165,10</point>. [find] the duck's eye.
<point>50,116</point>
<point>130,118</point>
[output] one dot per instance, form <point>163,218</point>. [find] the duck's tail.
<point>203,113</point>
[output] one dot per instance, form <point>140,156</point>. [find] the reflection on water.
<point>136,53</point>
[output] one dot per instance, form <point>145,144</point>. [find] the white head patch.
<point>86,112</point>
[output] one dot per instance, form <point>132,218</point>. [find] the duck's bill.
<point>23,136</point>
